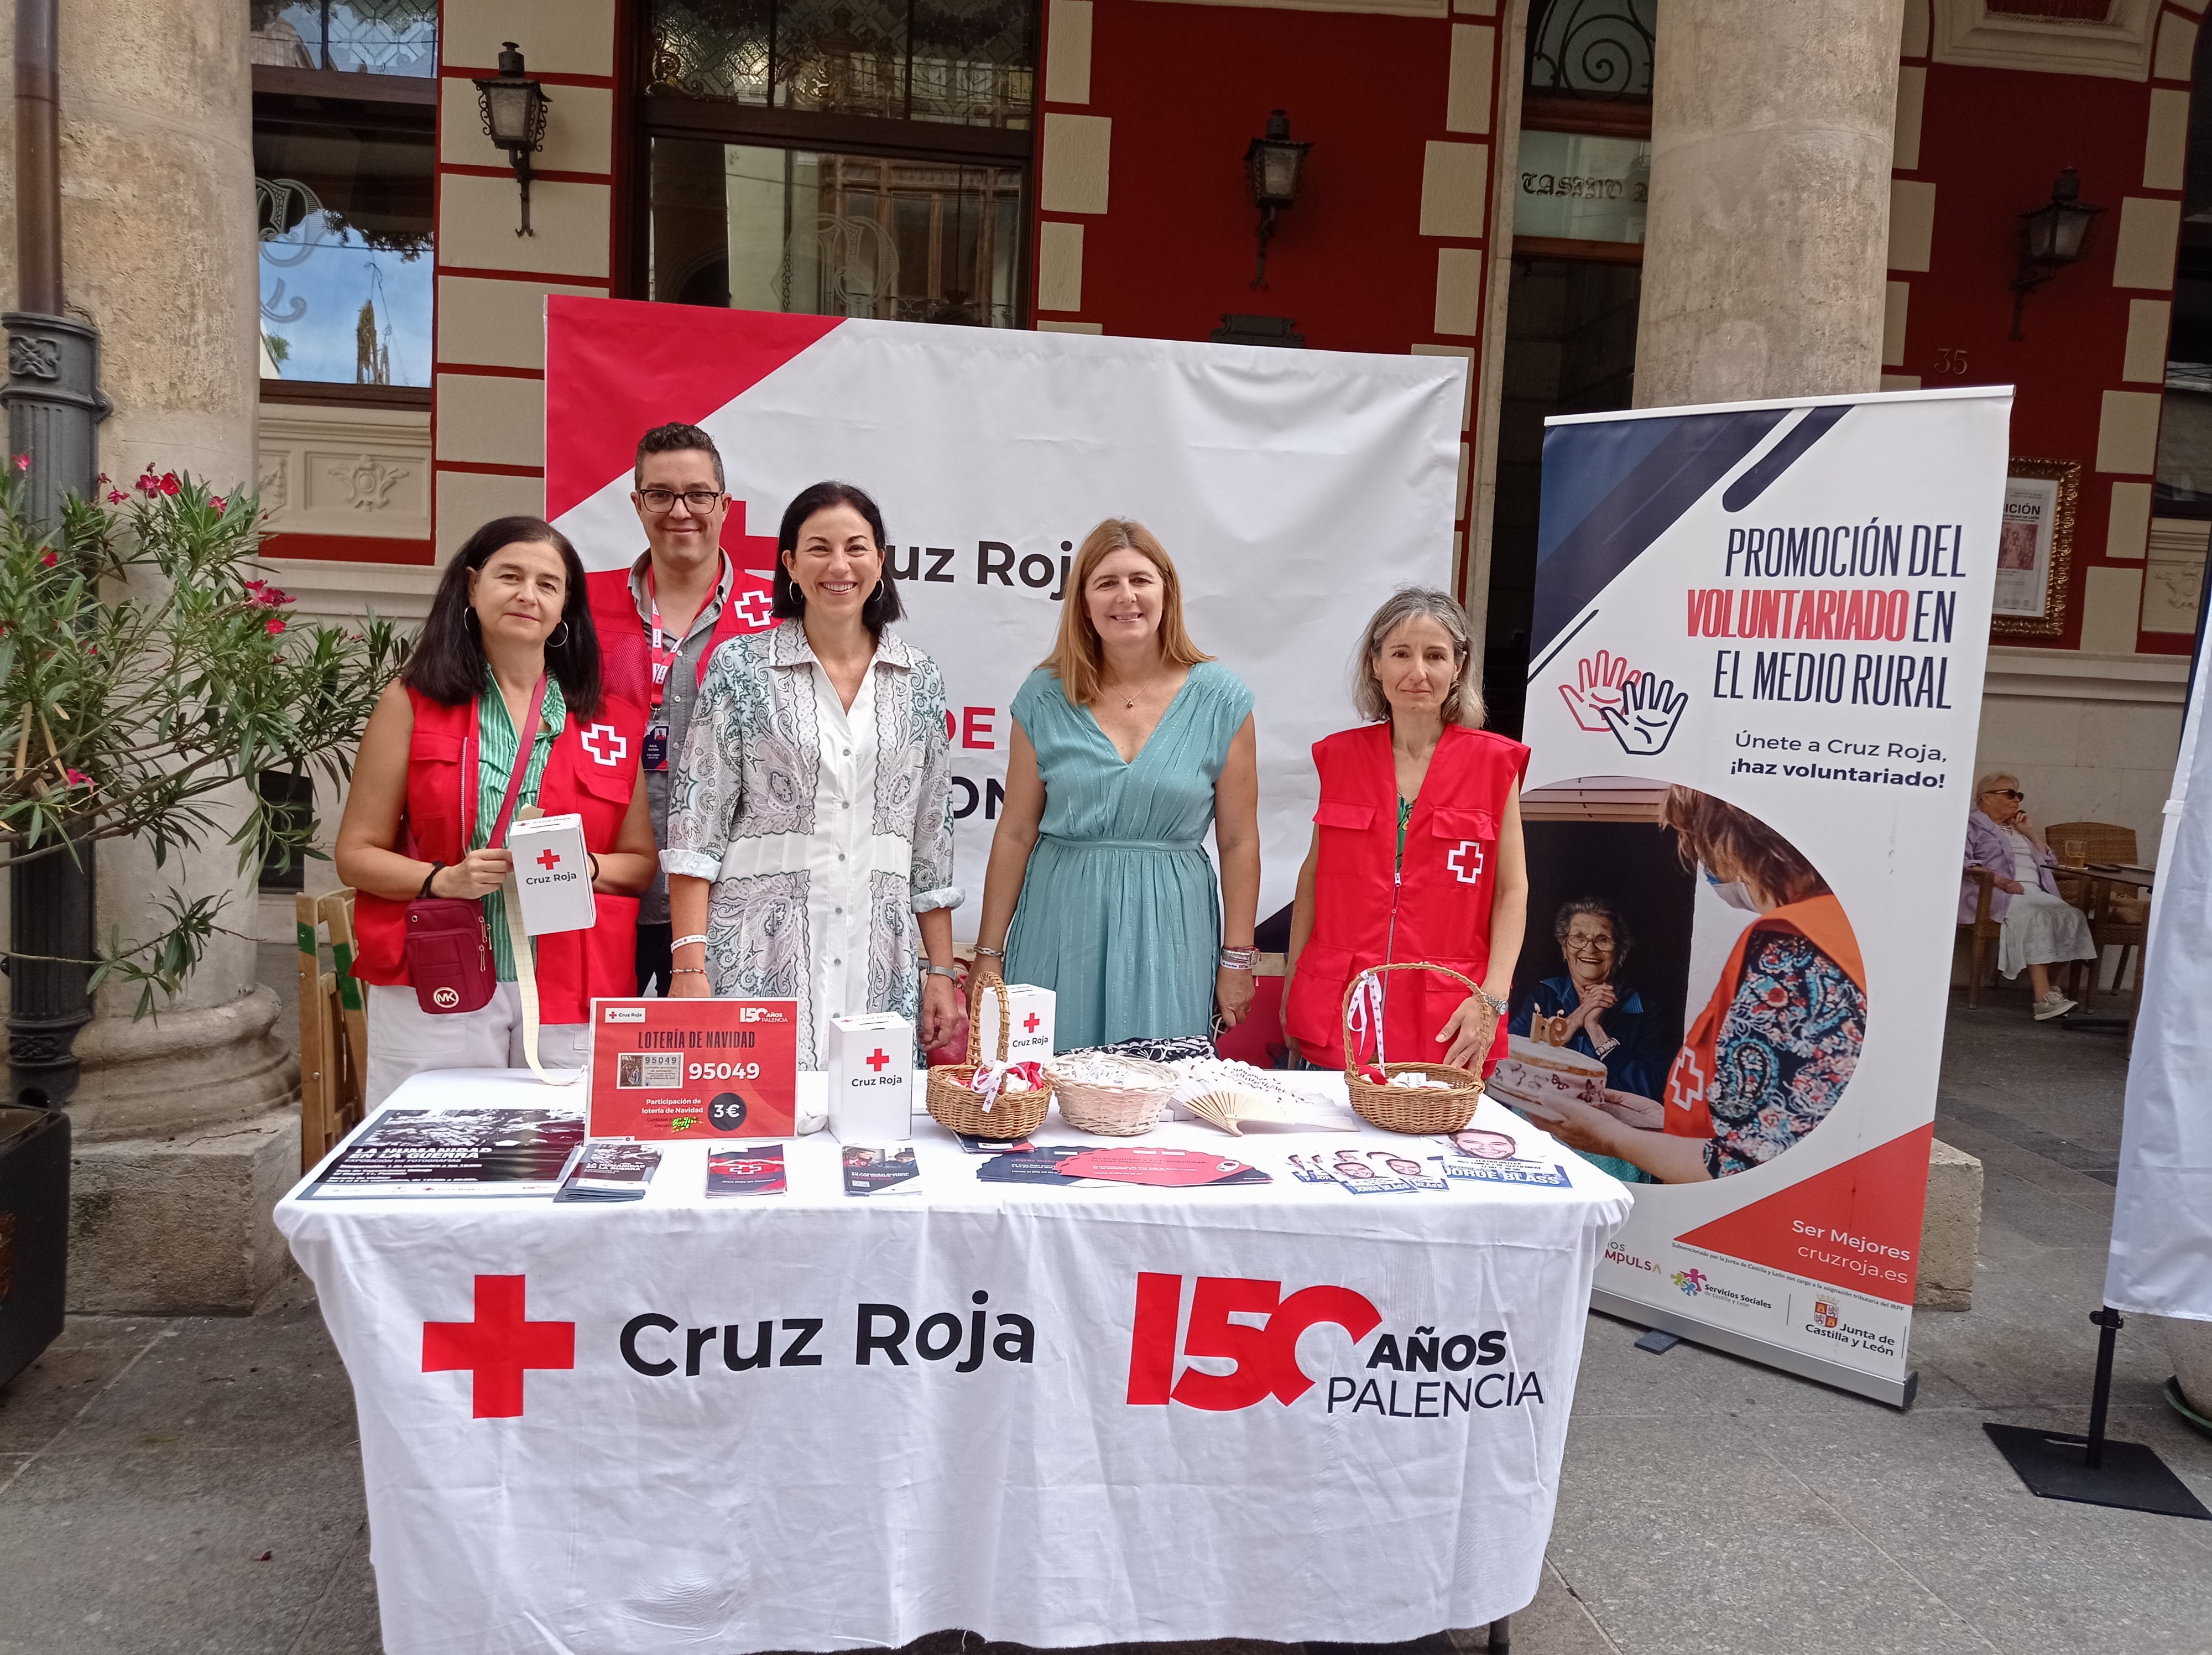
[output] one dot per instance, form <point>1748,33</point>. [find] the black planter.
<point>34,1184</point>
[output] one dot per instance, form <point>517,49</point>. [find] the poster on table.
<point>693,1069</point>
<point>1755,685</point>
<point>1294,489</point>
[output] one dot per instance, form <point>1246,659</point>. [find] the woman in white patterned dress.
<point>810,813</point>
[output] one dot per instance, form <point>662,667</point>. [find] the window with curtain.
<point>838,157</point>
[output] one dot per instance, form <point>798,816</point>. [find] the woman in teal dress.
<point>1127,744</point>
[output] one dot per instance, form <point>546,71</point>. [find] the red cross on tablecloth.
<point>498,1347</point>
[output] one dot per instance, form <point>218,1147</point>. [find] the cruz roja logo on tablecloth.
<point>1264,1354</point>
<point>881,1333</point>
<point>1250,1325</point>
<point>501,1343</point>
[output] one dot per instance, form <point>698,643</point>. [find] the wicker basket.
<point>955,1106</point>
<point>1113,1110</point>
<point>1421,1111</point>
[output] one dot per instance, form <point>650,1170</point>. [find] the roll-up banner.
<point>2161,1262</point>
<point>1756,680</point>
<point>1294,489</point>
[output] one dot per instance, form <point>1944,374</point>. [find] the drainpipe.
<point>54,408</point>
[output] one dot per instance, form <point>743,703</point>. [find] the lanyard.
<point>667,646</point>
<point>525,742</point>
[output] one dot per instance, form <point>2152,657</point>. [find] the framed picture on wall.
<point>2035,548</point>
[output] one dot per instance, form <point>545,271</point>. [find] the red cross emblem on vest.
<point>498,1347</point>
<point>1461,871</point>
<point>606,744</point>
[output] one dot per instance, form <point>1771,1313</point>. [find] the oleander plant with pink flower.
<point>150,671</point>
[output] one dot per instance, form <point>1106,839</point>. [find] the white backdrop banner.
<point>1783,607</point>
<point>2161,1256</point>
<point>1294,489</point>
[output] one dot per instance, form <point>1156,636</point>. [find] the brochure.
<point>1500,1171</point>
<point>880,1171</point>
<point>469,1151</point>
<point>610,1172</point>
<point>757,1171</point>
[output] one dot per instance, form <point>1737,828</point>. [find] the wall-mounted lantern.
<point>1274,166</point>
<point>2051,239</point>
<point>514,110</point>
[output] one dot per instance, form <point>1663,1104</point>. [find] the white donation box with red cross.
<point>553,873</point>
<point>871,1078</point>
<point>1031,1040</point>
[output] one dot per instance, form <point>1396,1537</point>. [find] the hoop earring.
<point>556,643</point>
<point>468,617</point>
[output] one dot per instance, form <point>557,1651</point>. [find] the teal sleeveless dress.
<point>1121,911</point>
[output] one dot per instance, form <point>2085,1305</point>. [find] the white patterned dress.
<point>824,830</point>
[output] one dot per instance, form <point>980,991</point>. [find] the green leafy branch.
<point>150,673</point>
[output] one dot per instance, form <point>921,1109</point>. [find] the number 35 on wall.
<point>1950,360</point>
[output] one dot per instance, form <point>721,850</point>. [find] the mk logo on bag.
<point>1266,1356</point>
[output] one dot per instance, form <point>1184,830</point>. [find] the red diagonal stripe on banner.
<point>1845,1225</point>
<point>616,368</point>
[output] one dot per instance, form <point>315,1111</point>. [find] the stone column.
<point>1767,251</point>
<point>186,1125</point>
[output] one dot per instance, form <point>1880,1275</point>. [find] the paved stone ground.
<point>192,1485</point>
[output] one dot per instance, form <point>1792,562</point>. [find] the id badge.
<point>656,746</point>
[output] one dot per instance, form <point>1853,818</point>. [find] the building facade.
<point>1489,179</point>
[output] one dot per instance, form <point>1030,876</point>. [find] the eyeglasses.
<point>700,500</point>
<point>2014,793</point>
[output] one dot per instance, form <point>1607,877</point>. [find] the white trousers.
<point>404,1040</point>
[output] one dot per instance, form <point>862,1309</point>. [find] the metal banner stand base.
<point>2057,1466</point>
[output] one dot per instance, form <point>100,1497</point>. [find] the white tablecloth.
<point>832,1504</point>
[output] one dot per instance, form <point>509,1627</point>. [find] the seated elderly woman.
<point>1589,1009</point>
<point>2041,928</point>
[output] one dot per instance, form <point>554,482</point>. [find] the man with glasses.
<point>659,621</point>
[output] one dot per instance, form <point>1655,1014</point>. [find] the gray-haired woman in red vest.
<point>1416,856</point>
<point>505,677</point>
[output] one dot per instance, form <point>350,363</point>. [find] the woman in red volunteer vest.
<point>1773,1051</point>
<point>509,630</point>
<point>1416,856</point>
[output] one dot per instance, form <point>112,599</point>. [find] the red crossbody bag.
<point>448,945</point>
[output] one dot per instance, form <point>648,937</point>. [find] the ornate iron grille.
<point>1592,48</point>
<point>381,37</point>
<point>971,62</point>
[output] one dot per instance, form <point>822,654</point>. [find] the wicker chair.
<point>2117,919</point>
<point>1984,931</point>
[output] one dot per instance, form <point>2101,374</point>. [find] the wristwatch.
<point>1497,1006</point>
<point>931,970</point>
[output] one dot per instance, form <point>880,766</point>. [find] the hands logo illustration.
<point>1640,710</point>
<point>1598,687</point>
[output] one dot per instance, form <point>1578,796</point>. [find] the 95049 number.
<point>724,1071</point>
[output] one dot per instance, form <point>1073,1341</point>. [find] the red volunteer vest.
<point>1366,912</point>
<point>625,659</point>
<point>1820,921</point>
<point>593,772</point>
